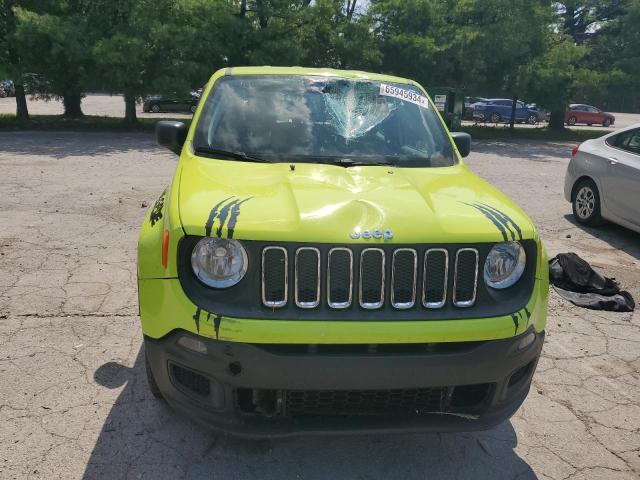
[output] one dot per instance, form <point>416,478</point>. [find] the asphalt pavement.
<point>73,396</point>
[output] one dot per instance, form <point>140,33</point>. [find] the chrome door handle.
<point>612,160</point>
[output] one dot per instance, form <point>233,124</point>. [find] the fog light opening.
<point>192,344</point>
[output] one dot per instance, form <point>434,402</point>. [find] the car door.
<point>622,183</point>
<point>522,112</point>
<point>580,113</point>
<point>592,115</point>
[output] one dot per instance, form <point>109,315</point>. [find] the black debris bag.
<point>575,280</point>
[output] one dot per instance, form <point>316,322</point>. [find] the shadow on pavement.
<point>142,438</point>
<point>70,144</point>
<point>618,237</point>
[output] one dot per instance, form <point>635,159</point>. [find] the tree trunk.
<point>22,112</point>
<point>72,108</point>
<point>556,121</point>
<point>130,109</point>
<point>513,113</point>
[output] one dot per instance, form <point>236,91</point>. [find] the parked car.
<point>318,268</point>
<point>542,114</point>
<point>8,88</point>
<point>603,179</point>
<point>172,102</point>
<point>581,113</point>
<point>496,110</point>
<point>469,102</point>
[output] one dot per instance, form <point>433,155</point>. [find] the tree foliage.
<point>551,52</point>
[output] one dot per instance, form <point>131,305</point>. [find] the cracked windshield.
<point>322,120</point>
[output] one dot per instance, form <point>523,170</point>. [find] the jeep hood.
<point>327,203</point>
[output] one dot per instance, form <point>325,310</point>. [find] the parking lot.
<point>73,397</point>
<point>113,106</point>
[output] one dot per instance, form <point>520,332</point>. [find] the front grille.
<point>364,402</point>
<point>466,276</point>
<point>436,271</point>
<point>190,380</point>
<point>275,286</point>
<point>378,275</point>
<point>339,277</point>
<point>307,284</point>
<point>372,275</point>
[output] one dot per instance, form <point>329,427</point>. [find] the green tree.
<point>57,44</point>
<point>11,64</point>
<point>551,79</point>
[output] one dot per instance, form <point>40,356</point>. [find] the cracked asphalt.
<point>73,397</point>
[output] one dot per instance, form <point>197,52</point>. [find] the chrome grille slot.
<point>372,273</point>
<point>465,277</point>
<point>404,271</point>
<point>307,277</point>
<point>358,276</point>
<point>435,276</point>
<point>339,277</point>
<point>275,285</point>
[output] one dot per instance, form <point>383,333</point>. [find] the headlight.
<point>504,265</point>
<point>219,262</point>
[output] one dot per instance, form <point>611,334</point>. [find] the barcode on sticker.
<point>404,94</point>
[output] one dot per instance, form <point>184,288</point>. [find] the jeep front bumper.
<point>281,390</point>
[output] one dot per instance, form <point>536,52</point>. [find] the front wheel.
<point>571,121</point>
<point>532,119</point>
<point>607,122</point>
<point>586,203</point>
<point>495,117</point>
<point>193,109</point>
<point>155,108</point>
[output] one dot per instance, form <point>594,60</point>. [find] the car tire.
<point>151,381</point>
<point>155,108</point>
<point>532,119</point>
<point>571,120</point>
<point>193,108</point>
<point>3,94</point>
<point>607,122</point>
<point>585,201</point>
<point>495,117</point>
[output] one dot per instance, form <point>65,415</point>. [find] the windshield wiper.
<point>349,162</point>
<point>216,152</point>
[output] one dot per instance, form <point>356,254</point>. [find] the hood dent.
<point>326,203</point>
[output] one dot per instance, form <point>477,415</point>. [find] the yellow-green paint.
<point>323,204</point>
<point>164,307</point>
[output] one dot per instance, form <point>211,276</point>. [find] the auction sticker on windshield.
<point>403,94</point>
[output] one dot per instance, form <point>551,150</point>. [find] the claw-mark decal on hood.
<point>216,320</point>
<point>503,222</point>
<point>516,317</point>
<point>156,211</point>
<point>229,208</point>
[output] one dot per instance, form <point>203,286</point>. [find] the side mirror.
<point>171,135</point>
<point>462,141</point>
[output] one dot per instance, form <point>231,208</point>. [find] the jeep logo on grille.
<point>376,233</point>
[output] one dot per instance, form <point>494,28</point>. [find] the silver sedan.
<point>603,179</point>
